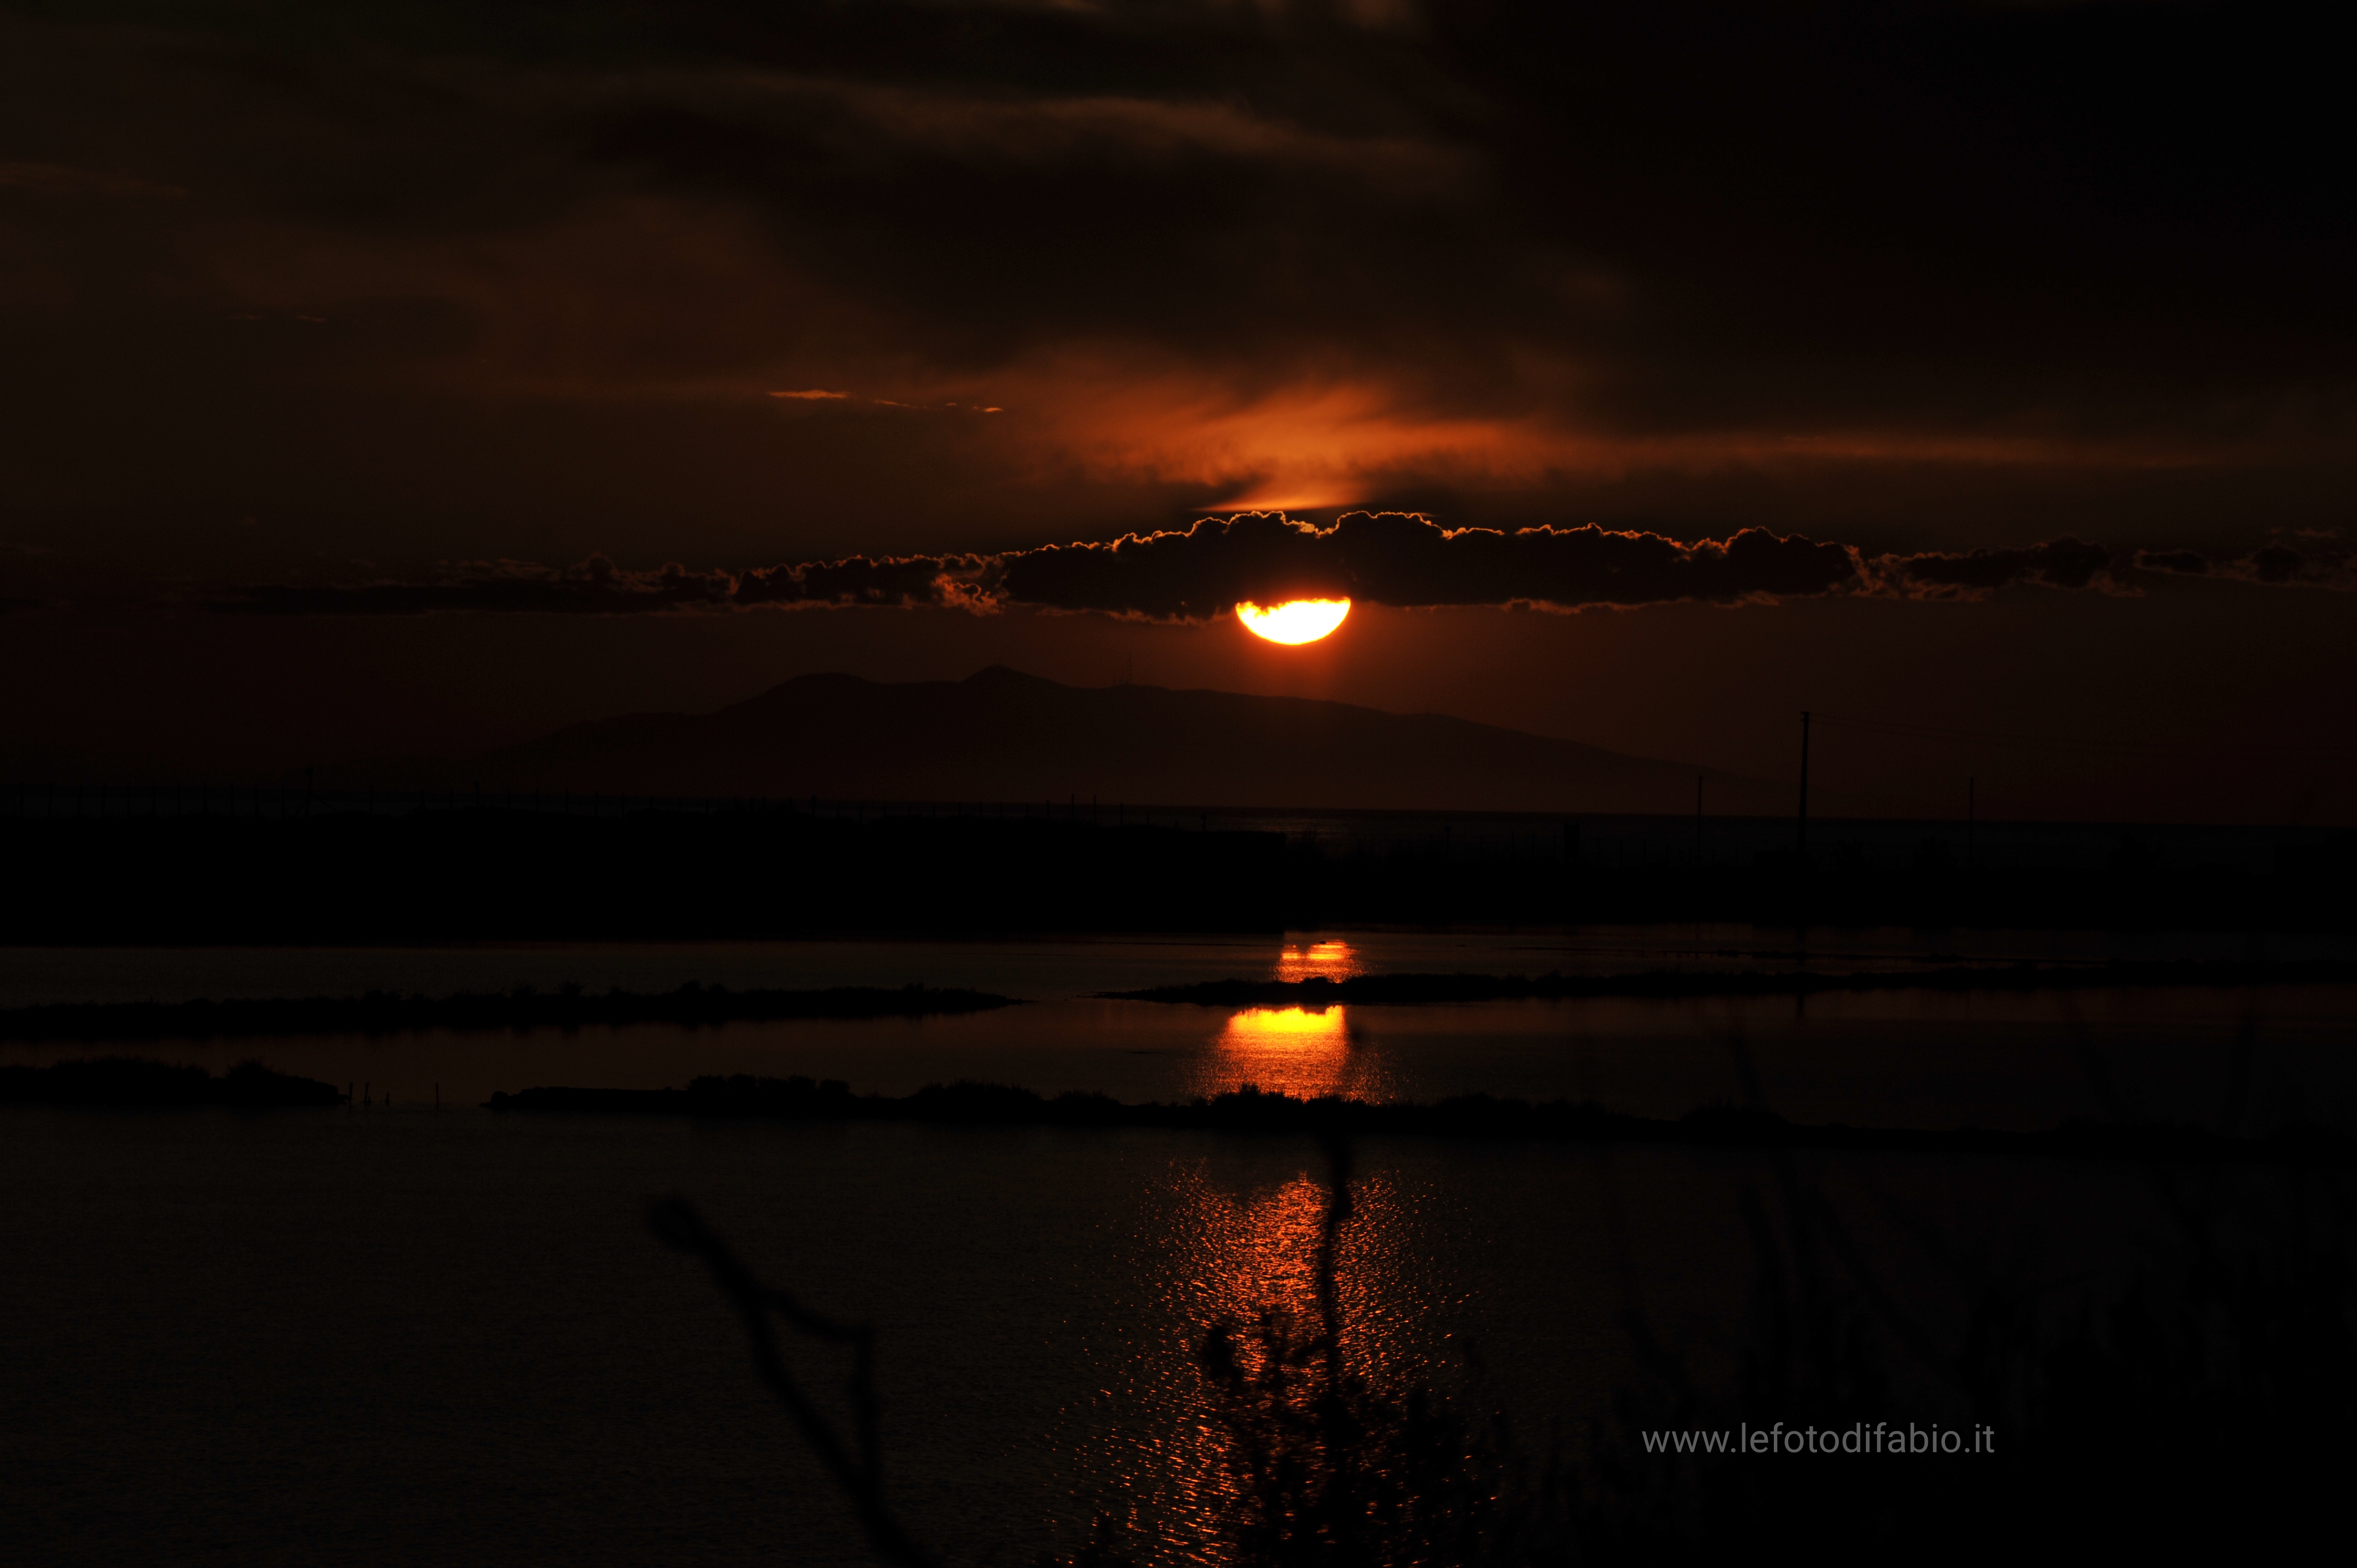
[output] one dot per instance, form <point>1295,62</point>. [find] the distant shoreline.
<point>696,1007</point>
<point>381,1013</point>
<point>128,1083</point>
<point>1479,1116</point>
<point>124,1083</point>
<point>1415,990</point>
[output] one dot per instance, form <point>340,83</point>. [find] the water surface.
<point>1904,1057</point>
<point>391,1333</point>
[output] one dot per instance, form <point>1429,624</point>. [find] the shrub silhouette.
<point>1326,1469</point>
<point>2213,1413</point>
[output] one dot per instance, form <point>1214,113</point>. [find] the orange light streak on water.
<point>1323,960</point>
<point>1300,1051</point>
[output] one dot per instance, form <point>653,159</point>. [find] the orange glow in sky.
<point>1296,621</point>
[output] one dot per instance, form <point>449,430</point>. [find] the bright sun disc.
<point>1299,620</point>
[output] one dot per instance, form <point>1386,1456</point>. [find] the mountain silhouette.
<point>1004,735</point>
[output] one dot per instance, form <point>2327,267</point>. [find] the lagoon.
<point>387,1333</point>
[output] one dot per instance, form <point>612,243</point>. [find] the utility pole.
<point>1972,814</point>
<point>1803,844</point>
<point>1699,819</point>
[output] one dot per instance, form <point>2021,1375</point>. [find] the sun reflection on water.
<point>1237,1245</point>
<point>1301,1051</point>
<point>1235,1255</point>
<point>1323,960</point>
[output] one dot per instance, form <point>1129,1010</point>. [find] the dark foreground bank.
<point>1483,1116</point>
<point>767,869</point>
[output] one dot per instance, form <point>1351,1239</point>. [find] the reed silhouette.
<point>1325,1467</point>
<point>1328,1466</point>
<point>2205,1407</point>
<point>2210,1406</point>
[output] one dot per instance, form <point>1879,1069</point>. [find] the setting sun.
<point>1296,621</point>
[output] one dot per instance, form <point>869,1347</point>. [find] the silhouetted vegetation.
<point>2208,1408</point>
<point>381,1013</point>
<point>769,871</point>
<point>1327,1466</point>
<point>1250,1109</point>
<point>123,1081</point>
<point>1409,989</point>
<point>854,1458</point>
<point>1324,1467</point>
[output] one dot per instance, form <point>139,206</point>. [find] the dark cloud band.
<point>1395,558</point>
<point>1388,558</point>
<point>598,586</point>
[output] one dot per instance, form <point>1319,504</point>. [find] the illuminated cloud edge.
<point>1400,559</point>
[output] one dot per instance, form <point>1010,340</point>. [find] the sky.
<point>386,380</point>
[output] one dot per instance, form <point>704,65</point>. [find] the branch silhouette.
<point>857,1459</point>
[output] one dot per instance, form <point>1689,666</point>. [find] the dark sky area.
<point>1981,371</point>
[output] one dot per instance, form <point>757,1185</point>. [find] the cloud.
<point>594,586</point>
<point>1402,559</point>
<point>2280,564</point>
<point>2318,566</point>
<point>890,581</point>
<point>2057,563</point>
<point>578,287</point>
<point>1398,558</point>
<point>597,587</point>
